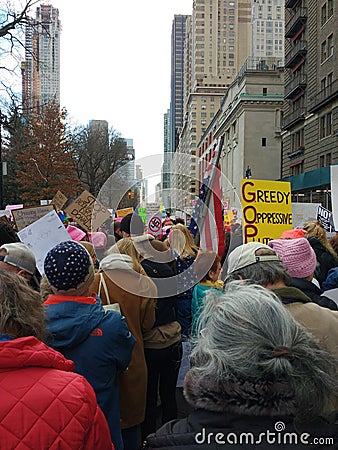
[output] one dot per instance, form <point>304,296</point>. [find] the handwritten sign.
<point>155,224</point>
<point>267,209</point>
<point>42,235</point>
<point>25,216</point>
<point>59,200</point>
<point>88,212</point>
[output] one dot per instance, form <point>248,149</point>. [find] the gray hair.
<point>240,331</point>
<point>263,273</point>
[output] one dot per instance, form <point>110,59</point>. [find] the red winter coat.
<point>44,405</point>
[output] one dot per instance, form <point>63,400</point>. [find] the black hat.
<point>132,224</point>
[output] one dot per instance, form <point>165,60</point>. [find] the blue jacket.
<point>197,303</point>
<point>99,343</point>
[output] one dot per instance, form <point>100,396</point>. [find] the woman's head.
<point>256,358</point>
<point>126,246</point>
<point>314,229</point>
<point>182,241</point>
<point>207,266</point>
<point>21,312</point>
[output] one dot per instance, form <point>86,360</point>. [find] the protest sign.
<point>266,208</point>
<point>154,225</point>
<point>325,217</point>
<point>59,200</point>
<point>302,212</point>
<point>123,212</point>
<point>88,212</point>
<point>25,216</point>
<point>142,212</point>
<point>42,235</point>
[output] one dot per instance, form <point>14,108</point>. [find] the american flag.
<point>206,223</point>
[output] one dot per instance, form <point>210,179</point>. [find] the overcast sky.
<point>115,65</point>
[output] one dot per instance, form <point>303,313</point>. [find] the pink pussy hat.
<point>75,233</point>
<point>297,256</point>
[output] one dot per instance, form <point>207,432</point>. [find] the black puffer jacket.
<point>325,259</point>
<point>207,430</point>
<point>314,293</point>
<point>166,307</point>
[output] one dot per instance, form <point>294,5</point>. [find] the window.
<point>325,125</point>
<point>330,8</point>
<point>323,54</point>
<point>328,159</point>
<point>297,169</point>
<point>265,91</point>
<point>330,44</point>
<point>264,142</point>
<point>330,79</point>
<point>321,161</point>
<point>323,84</point>
<point>323,14</point>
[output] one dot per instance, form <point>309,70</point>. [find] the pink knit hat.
<point>98,239</point>
<point>296,233</point>
<point>297,256</point>
<point>75,233</point>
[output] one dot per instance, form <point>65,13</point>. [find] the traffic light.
<point>131,195</point>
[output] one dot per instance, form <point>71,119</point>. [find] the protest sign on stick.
<point>59,200</point>
<point>25,216</point>
<point>88,212</point>
<point>43,235</point>
<point>267,209</point>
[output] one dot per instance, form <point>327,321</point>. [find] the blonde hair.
<point>181,240</point>
<point>314,229</point>
<point>126,246</point>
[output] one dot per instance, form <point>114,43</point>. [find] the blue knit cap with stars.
<point>67,265</point>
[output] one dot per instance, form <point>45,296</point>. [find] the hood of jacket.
<point>70,320</point>
<point>30,352</point>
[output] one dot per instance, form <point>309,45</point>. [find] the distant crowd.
<point>131,341</point>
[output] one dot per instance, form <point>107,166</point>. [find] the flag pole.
<point>208,196</point>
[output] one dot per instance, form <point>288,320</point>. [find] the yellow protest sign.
<point>88,212</point>
<point>123,212</point>
<point>266,208</point>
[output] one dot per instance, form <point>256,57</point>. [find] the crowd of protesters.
<point>130,341</point>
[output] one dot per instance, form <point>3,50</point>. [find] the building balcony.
<point>296,152</point>
<point>289,120</point>
<point>296,22</point>
<point>294,87</point>
<point>291,3</point>
<point>324,97</point>
<point>296,54</point>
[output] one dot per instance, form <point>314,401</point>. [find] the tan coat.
<point>130,290</point>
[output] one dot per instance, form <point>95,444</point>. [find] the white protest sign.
<point>155,224</point>
<point>42,235</point>
<point>302,212</point>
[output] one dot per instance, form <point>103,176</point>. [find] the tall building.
<point>166,176</point>
<point>41,68</point>
<point>310,123</point>
<point>178,33</point>
<point>217,44</point>
<point>267,31</point>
